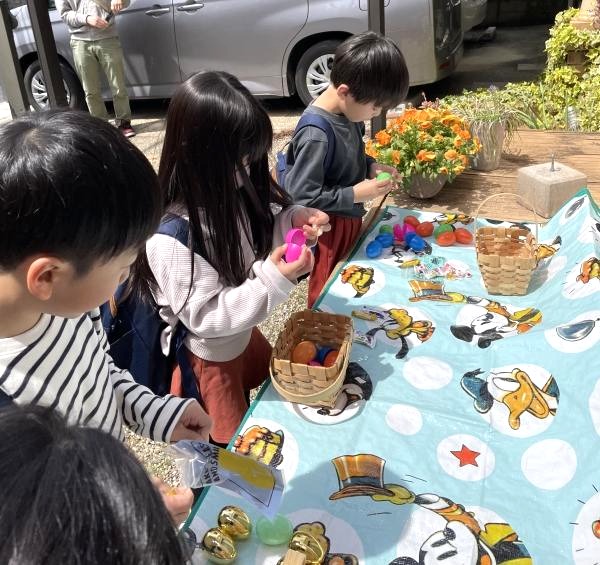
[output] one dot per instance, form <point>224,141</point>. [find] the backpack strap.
<point>179,229</point>
<point>285,157</point>
<point>318,121</point>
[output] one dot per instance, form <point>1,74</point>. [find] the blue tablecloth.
<point>470,434</point>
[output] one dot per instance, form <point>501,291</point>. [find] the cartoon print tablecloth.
<point>468,429</point>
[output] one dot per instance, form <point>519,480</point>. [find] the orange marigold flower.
<point>396,156</point>
<point>426,125</point>
<point>425,156</point>
<point>456,129</point>
<point>444,170</point>
<point>465,134</point>
<point>370,149</point>
<point>451,154</point>
<point>383,137</point>
<point>458,142</point>
<point>464,160</point>
<point>458,169</point>
<point>448,120</point>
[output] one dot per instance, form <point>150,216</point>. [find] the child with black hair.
<point>368,74</point>
<point>77,202</point>
<point>214,172</point>
<point>77,495</point>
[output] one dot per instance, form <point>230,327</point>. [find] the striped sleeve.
<point>145,413</point>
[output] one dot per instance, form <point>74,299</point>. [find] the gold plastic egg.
<point>309,546</point>
<point>218,547</point>
<point>234,522</point>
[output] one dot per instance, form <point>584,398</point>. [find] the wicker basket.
<point>305,384</point>
<point>506,255</point>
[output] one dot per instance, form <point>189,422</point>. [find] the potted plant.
<point>490,120</point>
<point>429,146</point>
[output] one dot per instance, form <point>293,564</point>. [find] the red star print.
<point>466,456</point>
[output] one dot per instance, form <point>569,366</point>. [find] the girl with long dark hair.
<point>214,172</point>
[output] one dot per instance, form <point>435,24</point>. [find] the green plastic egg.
<point>441,229</point>
<point>274,532</point>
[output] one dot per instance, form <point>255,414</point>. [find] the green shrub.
<point>543,104</point>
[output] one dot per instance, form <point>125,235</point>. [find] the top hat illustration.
<point>428,290</point>
<point>359,475</point>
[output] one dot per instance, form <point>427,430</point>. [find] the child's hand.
<point>372,188</point>
<point>194,423</point>
<point>313,223</point>
<point>178,500</point>
<point>295,269</point>
<point>377,168</point>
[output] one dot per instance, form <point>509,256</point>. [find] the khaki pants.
<point>90,58</point>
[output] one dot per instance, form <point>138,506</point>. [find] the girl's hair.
<point>214,128</point>
<point>76,495</point>
<point>72,185</point>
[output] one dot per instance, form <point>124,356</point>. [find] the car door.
<point>247,38</point>
<point>148,40</point>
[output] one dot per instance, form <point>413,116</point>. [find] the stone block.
<point>549,189</point>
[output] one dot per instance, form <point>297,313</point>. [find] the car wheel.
<point>314,69</point>
<point>36,87</point>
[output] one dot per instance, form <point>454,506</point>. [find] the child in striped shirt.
<point>77,203</point>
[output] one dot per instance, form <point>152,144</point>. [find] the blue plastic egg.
<point>417,243</point>
<point>386,239</point>
<point>374,249</point>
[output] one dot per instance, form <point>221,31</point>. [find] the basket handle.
<point>523,200</point>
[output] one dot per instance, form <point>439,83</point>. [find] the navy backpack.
<point>285,158</point>
<point>134,328</point>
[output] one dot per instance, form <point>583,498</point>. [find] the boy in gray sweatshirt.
<point>368,74</point>
<point>96,47</point>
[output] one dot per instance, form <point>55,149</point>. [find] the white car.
<point>473,13</point>
<point>275,47</point>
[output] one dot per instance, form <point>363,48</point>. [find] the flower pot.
<point>424,187</point>
<point>577,60</point>
<point>491,136</point>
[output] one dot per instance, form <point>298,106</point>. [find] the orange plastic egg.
<point>424,229</point>
<point>463,236</point>
<point>446,239</point>
<point>412,220</point>
<point>304,352</point>
<point>331,358</point>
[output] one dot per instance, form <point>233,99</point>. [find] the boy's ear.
<point>343,90</point>
<point>44,273</point>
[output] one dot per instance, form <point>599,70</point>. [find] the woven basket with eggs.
<point>295,372</point>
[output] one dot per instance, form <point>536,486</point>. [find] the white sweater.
<point>219,318</point>
<point>63,363</point>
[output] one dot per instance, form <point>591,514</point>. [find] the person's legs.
<point>257,358</point>
<point>88,69</point>
<point>223,385</point>
<point>331,248</point>
<point>111,59</point>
